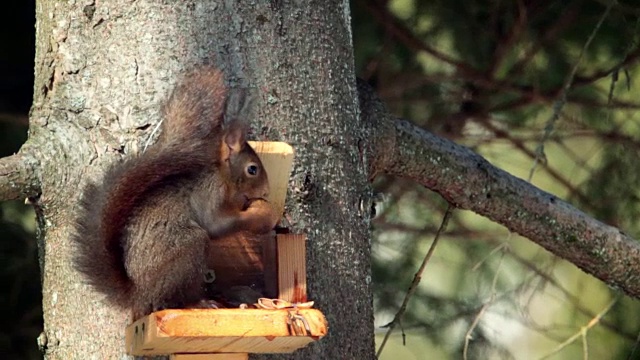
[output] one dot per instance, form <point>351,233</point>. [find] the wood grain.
<point>292,271</point>
<point>221,331</point>
<point>277,158</point>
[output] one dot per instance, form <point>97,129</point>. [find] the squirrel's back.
<point>186,146</point>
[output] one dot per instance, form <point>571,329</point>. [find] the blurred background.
<point>20,286</point>
<point>547,90</point>
<point>521,83</point>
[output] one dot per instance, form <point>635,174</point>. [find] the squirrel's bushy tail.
<point>194,112</point>
<point>100,261</point>
<point>195,109</point>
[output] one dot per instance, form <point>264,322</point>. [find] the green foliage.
<point>20,301</point>
<point>609,188</point>
<point>21,318</point>
<point>21,314</point>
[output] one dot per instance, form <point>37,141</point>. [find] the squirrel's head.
<point>247,174</point>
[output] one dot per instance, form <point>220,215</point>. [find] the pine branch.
<point>470,182</point>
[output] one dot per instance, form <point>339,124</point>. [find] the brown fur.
<point>144,233</point>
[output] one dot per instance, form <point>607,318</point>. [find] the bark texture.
<point>18,177</point>
<point>103,70</point>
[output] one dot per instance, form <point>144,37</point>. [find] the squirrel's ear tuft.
<point>239,105</point>
<point>234,139</point>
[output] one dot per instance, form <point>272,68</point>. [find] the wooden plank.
<point>222,331</point>
<point>292,273</point>
<point>277,158</point>
<point>228,356</point>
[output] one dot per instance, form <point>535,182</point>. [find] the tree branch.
<point>467,180</point>
<point>17,177</point>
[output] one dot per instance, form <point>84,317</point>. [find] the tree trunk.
<point>103,70</point>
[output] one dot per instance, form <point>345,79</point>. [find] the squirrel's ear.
<point>234,139</point>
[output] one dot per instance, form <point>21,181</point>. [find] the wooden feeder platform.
<point>199,334</point>
<point>225,331</point>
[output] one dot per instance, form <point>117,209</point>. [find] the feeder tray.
<point>198,334</point>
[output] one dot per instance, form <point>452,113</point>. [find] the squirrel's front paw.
<point>260,216</point>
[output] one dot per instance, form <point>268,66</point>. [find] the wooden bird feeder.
<point>199,334</point>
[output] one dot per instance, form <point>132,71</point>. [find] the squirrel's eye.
<point>252,170</point>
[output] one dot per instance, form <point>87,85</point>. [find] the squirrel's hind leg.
<point>178,282</point>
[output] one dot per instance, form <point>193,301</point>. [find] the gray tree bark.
<point>102,71</point>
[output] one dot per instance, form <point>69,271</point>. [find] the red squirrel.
<point>145,231</point>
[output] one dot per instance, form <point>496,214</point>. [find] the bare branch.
<point>416,280</point>
<point>467,180</point>
<point>17,177</point>
<point>583,331</point>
